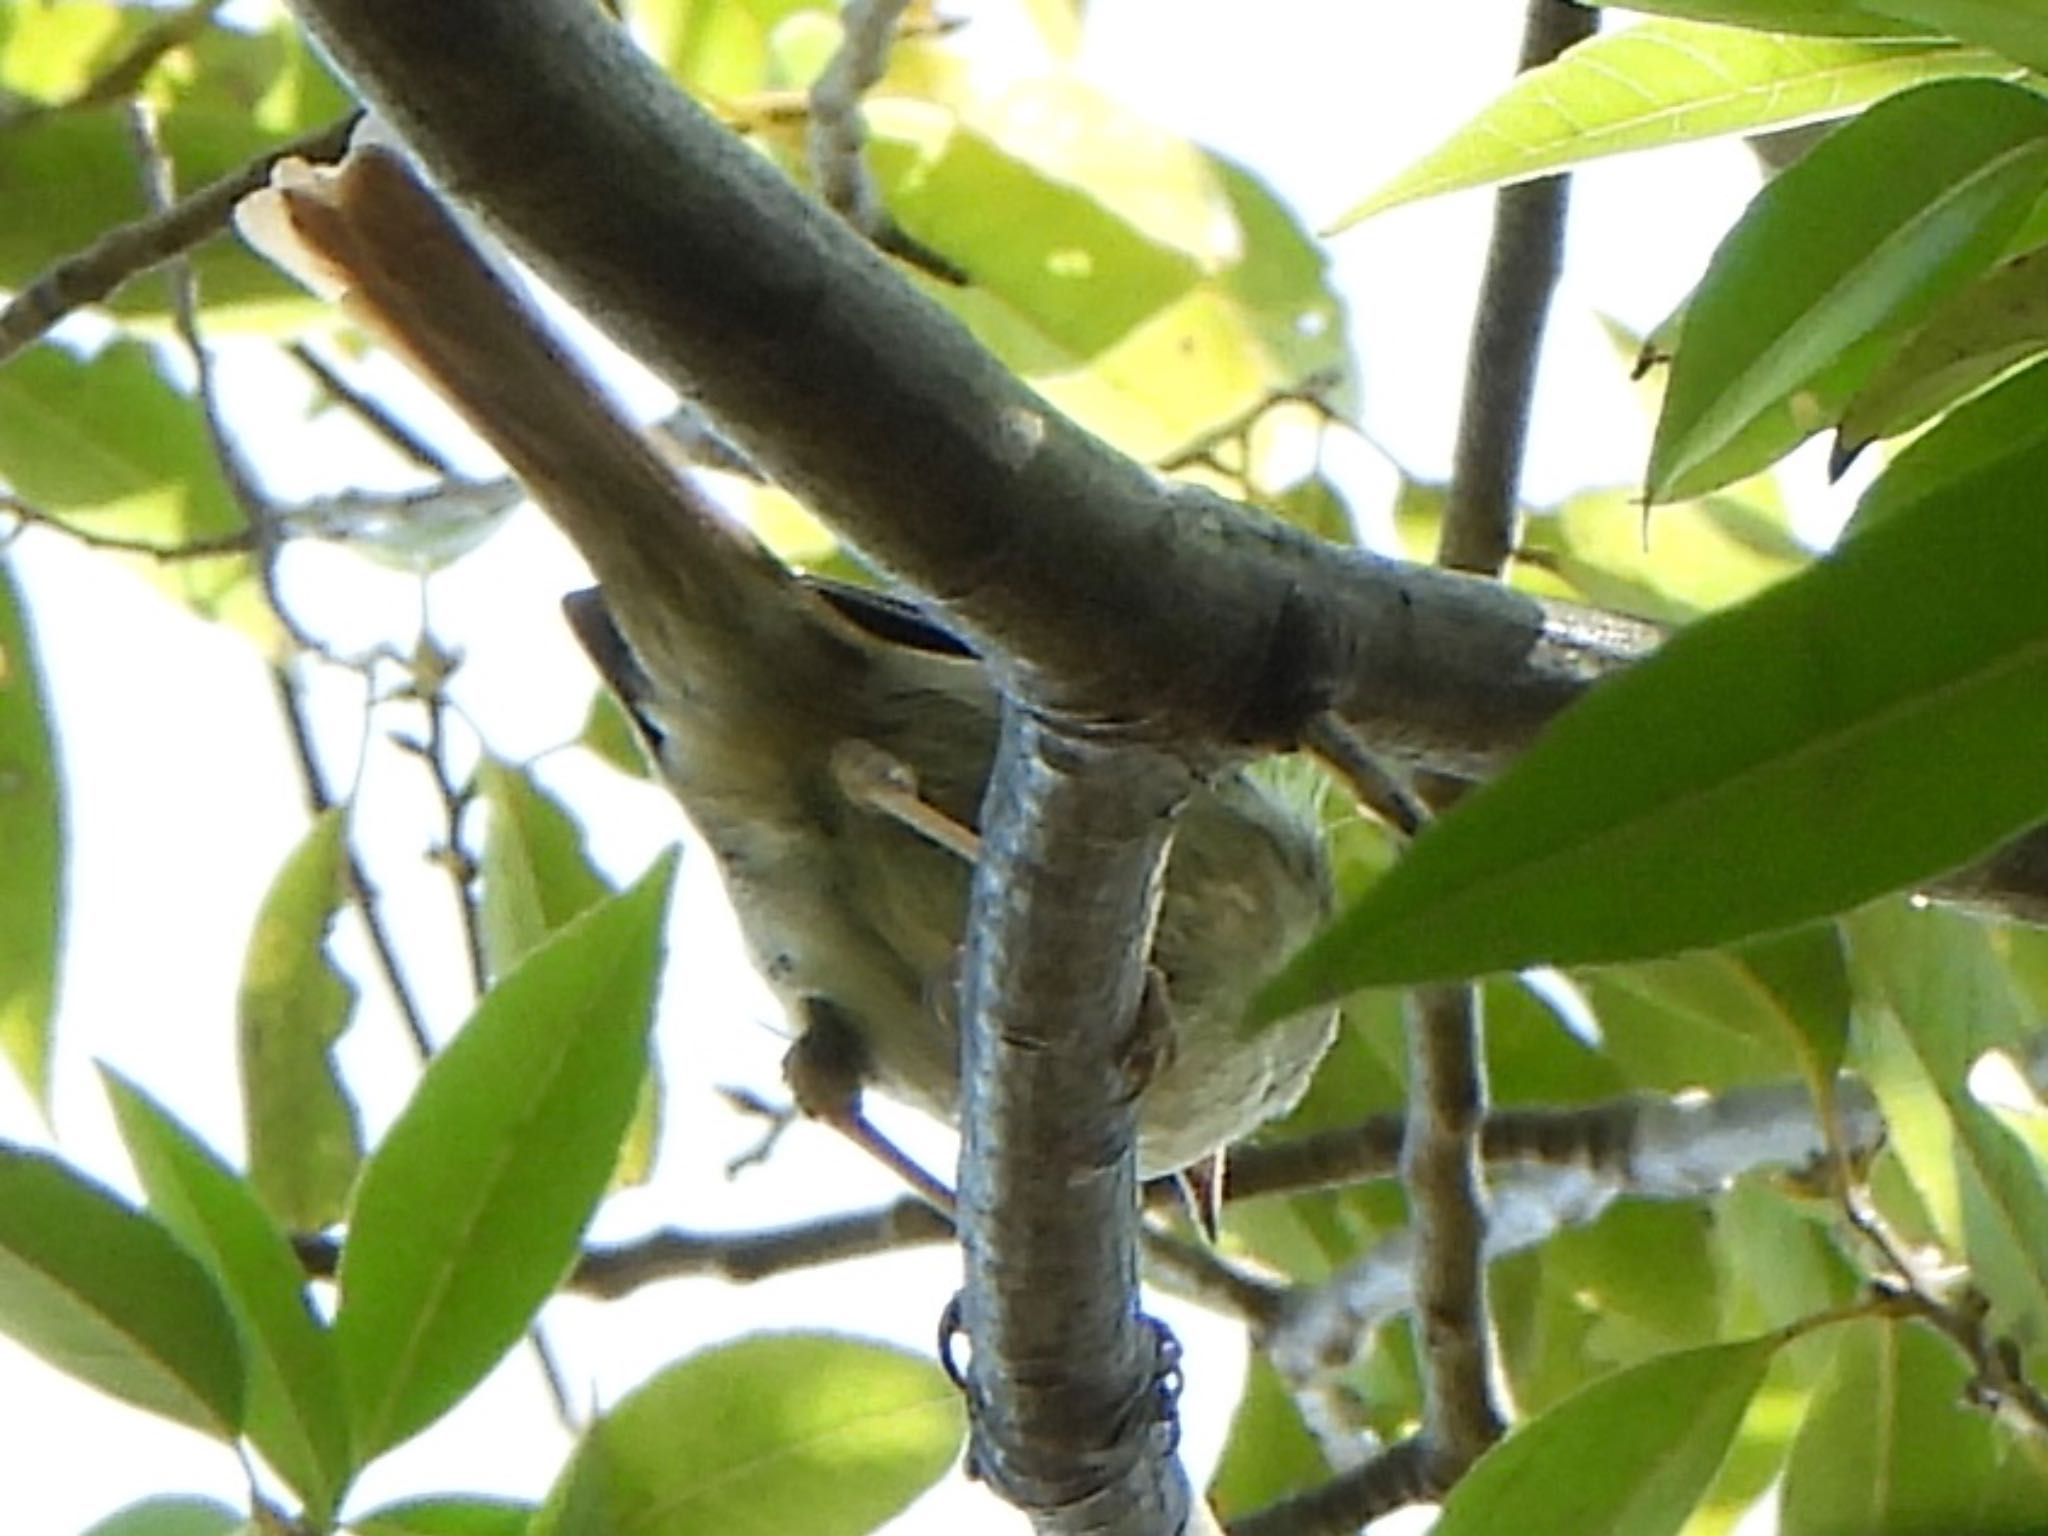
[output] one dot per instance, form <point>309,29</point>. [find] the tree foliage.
<point>1764,1134</point>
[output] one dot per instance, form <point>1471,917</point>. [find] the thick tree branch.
<point>1069,1385</point>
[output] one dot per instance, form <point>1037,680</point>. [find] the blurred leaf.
<point>448,1516</point>
<point>1995,323</point>
<point>1827,694</point>
<point>304,1139</point>
<point>295,1411</point>
<point>1781,1261</point>
<point>1695,557</point>
<point>2016,28</point>
<point>51,50</point>
<point>1630,1455</point>
<point>775,1432</point>
<point>1860,239</point>
<point>1270,1452</point>
<point>469,1213</point>
<point>32,830</point>
<point>608,732</point>
<point>105,1294</point>
<point>1789,989</point>
<point>2006,426</point>
<point>536,875</point>
<point>111,448</point>
<point>1663,83</point>
<point>1643,1271</point>
<point>1315,505</point>
<point>171,1514</point>
<point>1149,290</point>
<point>1932,999</point>
<point>1889,1447</point>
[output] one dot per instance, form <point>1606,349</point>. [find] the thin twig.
<point>837,135</point>
<point>372,413</point>
<point>130,250</point>
<point>30,515</point>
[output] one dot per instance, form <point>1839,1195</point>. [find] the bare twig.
<point>837,134</point>
<point>110,262</point>
<point>1399,1476</point>
<point>1522,265</point>
<point>372,413</point>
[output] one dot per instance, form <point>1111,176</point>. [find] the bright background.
<point>181,811</point>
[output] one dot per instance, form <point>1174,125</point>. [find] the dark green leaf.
<point>1829,695</point>
<point>1837,256</point>
<point>1975,335</point>
<point>786,1432</point>
<point>304,1140</point>
<point>1630,1455</point>
<point>2016,28</point>
<point>103,1292</point>
<point>446,1517</point>
<point>296,1416</point>
<point>2006,424</point>
<point>171,1515</point>
<point>1663,83</point>
<point>469,1214</point>
<point>33,833</point>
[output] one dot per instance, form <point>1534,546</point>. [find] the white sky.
<point>181,812</point>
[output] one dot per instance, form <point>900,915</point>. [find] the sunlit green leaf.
<point>469,1213</point>
<point>536,875</point>
<point>106,1294</point>
<point>787,1432</point>
<point>1997,322</point>
<point>1839,254</point>
<point>296,1415</point>
<point>110,445</point>
<point>1905,670</point>
<point>32,830</point>
<point>1662,83</point>
<point>1630,1455</point>
<point>1270,1452</point>
<point>171,1515</point>
<point>445,1517</point>
<point>1932,999</point>
<point>295,1004</point>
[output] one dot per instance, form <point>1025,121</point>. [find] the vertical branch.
<point>1440,1157</point>
<point>1440,1167</point>
<point>1070,1387</point>
<point>1523,260</point>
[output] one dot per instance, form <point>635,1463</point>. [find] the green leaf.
<point>296,1415</point>
<point>109,446</point>
<point>1889,1447</point>
<point>104,1293</point>
<point>1932,998</point>
<point>1663,83</point>
<point>608,733</point>
<point>32,830</point>
<point>1149,290</point>
<point>2016,28</point>
<point>446,1517</point>
<point>1854,243</point>
<point>2006,426</point>
<point>536,875</point>
<point>304,1140</point>
<point>171,1515</point>
<point>776,1432</point>
<point>1818,18</point>
<point>469,1214</point>
<point>1630,1455</point>
<point>1270,1452</point>
<point>1904,671</point>
<point>1989,327</point>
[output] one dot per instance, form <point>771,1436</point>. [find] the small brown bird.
<point>831,745</point>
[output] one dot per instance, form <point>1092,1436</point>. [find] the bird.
<point>830,743</point>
